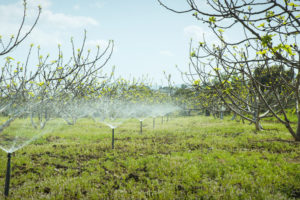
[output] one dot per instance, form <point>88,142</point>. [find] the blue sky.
<point>148,38</point>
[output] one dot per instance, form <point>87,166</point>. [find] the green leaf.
<point>266,39</point>
<point>212,19</point>
<point>261,25</point>
<point>293,4</point>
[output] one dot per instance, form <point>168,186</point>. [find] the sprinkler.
<point>141,127</point>
<point>153,122</point>
<point>18,135</point>
<point>113,138</point>
<point>7,178</point>
<point>162,119</point>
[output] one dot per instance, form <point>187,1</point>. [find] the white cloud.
<point>57,20</point>
<point>64,21</point>
<point>13,13</point>
<point>76,7</point>
<point>194,32</point>
<point>198,34</point>
<point>166,53</point>
<point>94,43</point>
<point>44,38</point>
<point>52,27</point>
<point>97,4</point>
<point>45,4</point>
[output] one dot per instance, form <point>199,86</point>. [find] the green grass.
<point>185,158</point>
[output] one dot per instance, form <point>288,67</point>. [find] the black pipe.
<point>153,123</point>
<point>113,139</point>
<point>141,127</point>
<point>7,178</point>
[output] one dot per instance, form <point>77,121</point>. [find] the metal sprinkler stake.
<point>141,127</point>
<point>153,123</point>
<point>113,139</point>
<point>7,178</point>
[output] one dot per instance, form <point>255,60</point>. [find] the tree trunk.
<point>234,116</point>
<point>258,125</point>
<point>297,138</point>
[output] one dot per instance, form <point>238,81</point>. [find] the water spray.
<point>24,129</point>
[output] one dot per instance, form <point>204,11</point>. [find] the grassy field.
<point>186,158</point>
